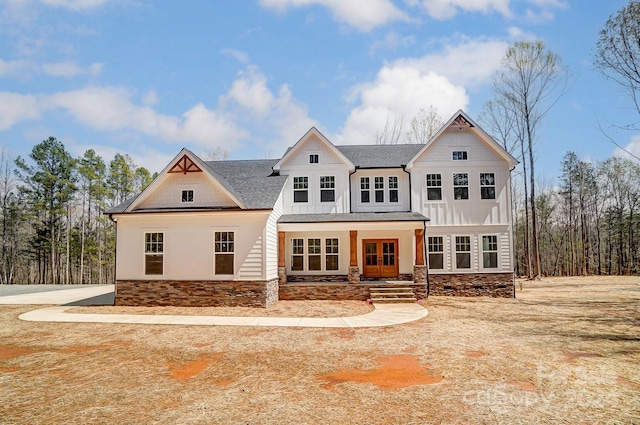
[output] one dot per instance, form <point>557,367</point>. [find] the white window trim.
<point>235,242</point>
<point>480,186</point>
<point>144,251</point>
<point>186,190</point>
<point>454,251</point>
<point>443,252</point>
<point>441,187</point>
<point>482,251</point>
<point>323,255</point>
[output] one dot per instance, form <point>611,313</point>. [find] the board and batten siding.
<point>386,206</point>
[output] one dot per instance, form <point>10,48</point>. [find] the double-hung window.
<point>327,188</point>
<point>393,189</point>
<point>490,252</point>
<point>379,188</point>
<point>436,252</point>
<point>434,187</point>
<point>461,186</point>
<point>331,253</point>
<point>297,254</point>
<point>365,194</point>
<point>153,253</point>
<point>463,252</point>
<point>224,251</point>
<point>314,250</point>
<point>487,186</point>
<point>301,189</point>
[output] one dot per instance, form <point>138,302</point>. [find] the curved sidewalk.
<point>383,315</point>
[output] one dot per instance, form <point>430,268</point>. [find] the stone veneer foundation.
<point>342,291</point>
<point>497,285</point>
<point>196,293</point>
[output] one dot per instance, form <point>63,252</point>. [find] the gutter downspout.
<point>426,259</point>
<point>350,192</point>
<point>404,168</point>
<point>115,258</point>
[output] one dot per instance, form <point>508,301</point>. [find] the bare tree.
<point>618,50</point>
<point>391,133</point>
<point>424,125</point>
<point>530,82</point>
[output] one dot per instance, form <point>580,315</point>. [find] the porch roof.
<point>353,217</point>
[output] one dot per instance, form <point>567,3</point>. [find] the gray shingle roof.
<point>346,217</point>
<point>379,156</point>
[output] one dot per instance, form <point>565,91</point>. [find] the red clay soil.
<point>527,386</point>
<point>192,368</point>
<point>474,354</point>
<point>628,383</point>
<point>400,371</point>
<point>7,352</point>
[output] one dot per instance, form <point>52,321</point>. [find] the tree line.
<point>52,226</point>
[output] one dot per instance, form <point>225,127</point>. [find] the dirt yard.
<point>564,351</point>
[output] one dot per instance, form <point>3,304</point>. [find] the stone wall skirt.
<point>196,293</point>
<point>497,285</point>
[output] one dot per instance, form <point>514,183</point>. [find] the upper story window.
<point>187,195</point>
<point>463,252</point>
<point>490,252</point>
<point>459,155</point>
<point>327,188</point>
<point>460,186</point>
<point>436,252</point>
<point>434,187</point>
<point>313,158</point>
<point>365,194</point>
<point>393,189</point>
<point>379,188</point>
<point>487,186</point>
<point>223,252</point>
<point>301,189</point>
<point>153,253</point>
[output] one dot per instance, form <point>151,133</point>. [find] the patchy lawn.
<point>565,351</point>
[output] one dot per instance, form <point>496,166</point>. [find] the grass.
<point>564,351</point>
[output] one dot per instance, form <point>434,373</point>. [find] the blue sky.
<point>148,77</point>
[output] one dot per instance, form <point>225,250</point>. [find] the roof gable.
<point>461,121</point>
<point>313,140</point>
<point>168,180</point>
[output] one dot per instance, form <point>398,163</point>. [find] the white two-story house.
<point>322,222</point>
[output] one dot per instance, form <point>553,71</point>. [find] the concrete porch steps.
<point>397,294</point>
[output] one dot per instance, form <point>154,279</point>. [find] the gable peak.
<point>185,165</point>
<point>460,122</point>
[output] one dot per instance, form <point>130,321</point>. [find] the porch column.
<point>354,271</point>
<point>420,269</point>
<point>282,269</point>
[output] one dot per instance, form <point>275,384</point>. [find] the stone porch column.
<point>282,269</point>
<point>419,269</point>
<point>354,271</point>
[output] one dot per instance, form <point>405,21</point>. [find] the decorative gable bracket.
<point>460,122</point>
<point>185,165</point>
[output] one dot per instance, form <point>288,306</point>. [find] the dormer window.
<point>459,155</point>
<point>187,195</point>
<point>313,158</point>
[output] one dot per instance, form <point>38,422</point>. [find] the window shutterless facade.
<point>393,189</point>
<point>379,188</point>
<point>487,186</point>
<point>224,248</point>
<point>436,252</point>
<point>313,158</point>
<point>301,189</point>
<point>154,253</point>
<point>460,186</point>
<point>463,252</point>
<point>459,155</point>
<point>327,188</point>
<point>297,254</point>
<point>365,193</point>
<point>434,187</point>
<point>314,257</point>
<point>490,252</point>
<point>331,254</point>
<point>314,249</point>
<point>187,195</point>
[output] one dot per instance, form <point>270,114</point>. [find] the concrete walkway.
<point>383,315</point>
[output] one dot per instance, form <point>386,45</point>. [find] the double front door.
<point>380,257</point>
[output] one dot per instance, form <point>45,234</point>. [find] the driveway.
<point>57,294</point>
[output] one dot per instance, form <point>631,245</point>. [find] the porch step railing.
<point>396,294</point>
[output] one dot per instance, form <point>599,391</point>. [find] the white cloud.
<point>250,92</point>
<point>17,107</point>
<point>361,14</point>
<point>633,147</point>
<point>71,69</point>
<point>14,68</point>
<point>471,62</point>
<point>75,4</point>
<point>392,41</point>
<point>238,55</point>
<point>150,98</point>
<point>447,9</point>
<point>399,92</point>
